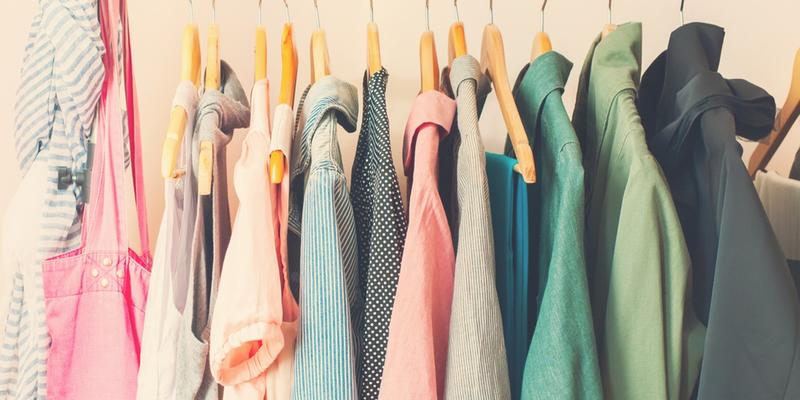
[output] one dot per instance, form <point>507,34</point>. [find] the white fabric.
<point>781,199</point>
<point>162,319</point>
<point>20,231</point>
<point>283,123</point>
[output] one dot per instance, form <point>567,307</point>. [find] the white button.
<point>107,261</point>
<point>95,272</point>
<point>104,282</point>
<point>120,273</point>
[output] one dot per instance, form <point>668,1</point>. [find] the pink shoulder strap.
<point>135,137</point>
<point>105,227</point>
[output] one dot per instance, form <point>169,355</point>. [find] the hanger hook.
<point>544,4</point>
<point>191,11</point>
<point>609,12</point>
<point>371,12</point>
<point>428,14</point>
<point>213,11</point>
<point>259,12</point>
<point>682,20</point>
<point>316,7</point>
<point>288,16</point>
<point>455,6</point>
<point>491,12</point>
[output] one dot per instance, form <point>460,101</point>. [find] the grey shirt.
<point>219,113</point>
<point>476,356</point>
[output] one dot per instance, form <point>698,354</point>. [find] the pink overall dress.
<point>96,294</point>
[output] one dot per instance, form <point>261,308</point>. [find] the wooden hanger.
<point>190,71</point>
<point>541,42</point>
<point>609,26</point>
<point>212,82</point>
<point>320,61</point>
<point>373,44</point>
<point>288,85</point>
<point>261,49</point>
<point>783,123</point>
<point>456,39</point>
<point>428,60</point>
<point>493,62</point>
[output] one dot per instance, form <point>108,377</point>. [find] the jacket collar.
<point>431,107</point>
<point>222,110</point>
<point>615,62</point>
<point>683,83</point>
<point>329,96</point>
<point>537,80</point>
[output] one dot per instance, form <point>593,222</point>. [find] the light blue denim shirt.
<point>321,213</point>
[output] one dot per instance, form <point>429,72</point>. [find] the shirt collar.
<point>612,65</point>
<point>375,83</point>
<point>683,83</point>
<point>330,94</point>
<point>430,107</point>
<point>545,75</point>
<point>466,68</point>
<point>223,110</point>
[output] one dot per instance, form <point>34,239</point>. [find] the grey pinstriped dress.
<point>476,357</point>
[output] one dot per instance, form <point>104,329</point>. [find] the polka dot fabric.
<point>381,229</point>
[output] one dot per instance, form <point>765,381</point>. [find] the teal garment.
<point>562,359</point>
<point>508,197</point>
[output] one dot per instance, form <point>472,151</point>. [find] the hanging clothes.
<point>511,232</point>
<point>562,357</point>
<point>54,113</point>
<point>280,374</point>
<point>381,229</point>
<point>795,172</point>
<point>476,355</point>
<point>219,113</point>
<point>693,115</point>
<point>95,295</point>
<point>780,197</point>
<point>162,321</point>
<point>252,341</point>
<point>649,342</point>
<point>421,315</point>
<point>331,301</point>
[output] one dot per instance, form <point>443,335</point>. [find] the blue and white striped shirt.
<point>331,301</point>
<point>60,86</point>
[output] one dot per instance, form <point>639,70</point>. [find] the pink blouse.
<point>255,316</point>
<point>416,353</point>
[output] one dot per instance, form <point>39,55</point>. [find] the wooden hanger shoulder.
<point>373,48</point>
<point>783,124</point>
<point>428,62</point>
<point>190,71</point>
<point>261,54</point>
<point>205,160</point>
<point>541,45</point>
<point>493,61</point>
<point>288,66</point>
<point>320,60</point>
<point>456,42</point>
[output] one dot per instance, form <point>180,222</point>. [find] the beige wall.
<point>762,37</point>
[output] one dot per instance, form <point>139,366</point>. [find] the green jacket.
<point>649,340</point>
<point>561,360</point>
